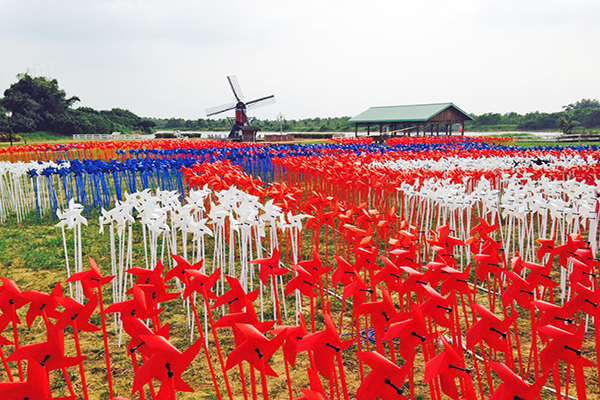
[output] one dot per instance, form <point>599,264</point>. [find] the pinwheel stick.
<point>105,339</point>
<point>81,368</point>
<point>342,376</point>
<point>6,367</point>
<point>16,338</point>
<point>276,298</point>
<point>134,362</point>
<point>215,336</point>
<point>205,347</point>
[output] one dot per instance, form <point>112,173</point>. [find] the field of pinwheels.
<point>429,268</point>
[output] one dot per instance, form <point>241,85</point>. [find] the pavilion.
<point>404,120</point>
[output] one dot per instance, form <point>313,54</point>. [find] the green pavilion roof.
<point>406,113</point>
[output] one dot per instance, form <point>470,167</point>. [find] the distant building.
<point>408,119</point>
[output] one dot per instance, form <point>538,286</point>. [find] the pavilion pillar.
<point>450,130</point>
<point>463,128</point>
<point>368,129</point>
<point>437,133</point>
<point>356,130</point>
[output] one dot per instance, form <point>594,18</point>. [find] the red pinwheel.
<point>547,247</point>
<point>390,274</point>
<point>136,328</point>
<point>345,272</point>
<point>326,345</point>
<point>366,255</point>
<point>383,313</point>
<point>586,256</point>
<point>444,244</point>
<point>155,294</point>
<point>582,272</point>
<point>254,348</point>
<point>565,346</point>
<point>585,300</point>
<point>568,250</point>
<point>315,266</point>
<point>37,386</point>
<point>148,276</point>
<point>490,329</point>
<point>538,274</point>
<point>11,299</point>
<point>435,272</point>
<point>90,279</point>
<point>236,296</point>
<point>438,307</point>
<point>269,266</point>
<point>43,303</point>
<point>358,289</point>
<point>519,290</point>
<point>49,354</point>
<point>201,283</point>
<point>180,269</point>
<point>483,228</point>
<point>454,280</point>
<point>415,282</point>
<point>412,332</point>
<point>304,282</point>
<point>487,264</point>
<point>77,313</point>
<point>446,366</point>
<point>385,379</point>
<point>551,314</point>
<point>513,386</point>
<point>135,307</point>
<point>166,364</point>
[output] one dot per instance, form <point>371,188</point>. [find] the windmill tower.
<point>242,128</point>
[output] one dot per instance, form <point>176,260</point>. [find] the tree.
<point>37,103</point>
<point>567,125</point>
<point>584,103</point>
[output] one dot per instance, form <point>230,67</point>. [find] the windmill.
<point>242,123</point>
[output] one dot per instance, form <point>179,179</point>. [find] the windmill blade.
<point>235,87</point>
<point>220,109</point>
<point>263,101</point>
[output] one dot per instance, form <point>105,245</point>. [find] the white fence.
<point>111,137</point>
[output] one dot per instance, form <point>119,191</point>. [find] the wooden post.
<point>463,128</point>
<point>437,133</point>
<point>368,129</point>
<point>355,130</point>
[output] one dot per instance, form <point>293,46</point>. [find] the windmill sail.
<point>220,109</point>
<point>235,87</point>
<point>263,101</point>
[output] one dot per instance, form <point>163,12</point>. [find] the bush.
<point>5,137</point>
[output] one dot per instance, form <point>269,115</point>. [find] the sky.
<point>320,58</point>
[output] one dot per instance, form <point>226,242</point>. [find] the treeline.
<point>38,104</point>
<point>339,124</point>
<point>579,116</point>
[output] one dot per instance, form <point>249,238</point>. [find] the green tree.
<point>37,103</point>
<point>583,103</point>
<point>567,125</point>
